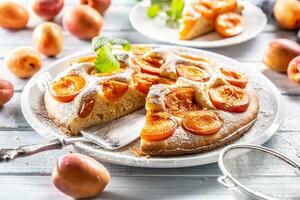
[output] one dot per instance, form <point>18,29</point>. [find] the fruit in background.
<point>229,24</point>
<point>287,13</point>
<point>83,22</point>
<point>13,16</point>
<point>48,39</point>
<point>80,176</point>
<point>294,70</point>
<point>100,5</point>
<point>47,9</point>
<point>279,53</point>
<point>6,91</point>
<point>23,62</point>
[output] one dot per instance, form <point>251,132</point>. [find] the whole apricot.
<point>294,70</point>
<point>47,9</point>
<point>83,22</point>
<point>287,13</point>
<point>23,62</point>
<point>279,53</point>
<point>80,176</point>
<point>48,39</point>
<point>100,5</point>
<point>13,16</point>
<point>6,91</point>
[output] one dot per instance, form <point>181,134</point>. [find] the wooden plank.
<point>43,163</point>
<point>176,188</point>
<point>12,117</point>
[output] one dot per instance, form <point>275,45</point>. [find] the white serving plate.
<point>156,29</point>
<point>269,118</point>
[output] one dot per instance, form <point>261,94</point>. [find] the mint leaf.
<point>124,43</point>
<point>153,10</point>
<point>174,13</point>
<point>98,42</point>
<point>105,61</point>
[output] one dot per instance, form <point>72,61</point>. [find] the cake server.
<point>112,135</point>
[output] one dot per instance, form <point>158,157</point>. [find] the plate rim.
<point>170,162</point>
<point>202,44</point>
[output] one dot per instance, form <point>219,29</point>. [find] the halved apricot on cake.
<point>67,88</point>
<point>113,90</point>
<point>230,24</point>
<point>202,122</point>
<point>149,65</point>
<point>193,73</point>
<point>158,126</point>
<point>229,98</point>
<point>234,78</point>
<point>181,100</point>
<point>145,81</point>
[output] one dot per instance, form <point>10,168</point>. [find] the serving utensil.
<point>112,136</point>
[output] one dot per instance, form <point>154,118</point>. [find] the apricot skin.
<point>279,53</point>
<point>287,13</point>
<point>100,5</point>
<point>6,91</point>
<point>24,62</point>
<point>47,9</point>
<point>294,70</point>
<point>80,176</point>
<point>48,39</point>
<point>83,22</point>
<point>13,16</point>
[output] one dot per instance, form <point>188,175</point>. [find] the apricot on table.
<point>23,62</point>
<point>83,22</point>
<point>294,70</point>
<point>100,5</point>
<point>279,53</point>
<point>13,16</point>
<point>80,176</point>
<point>48,39</point>
<point>47,9</point>
<point>287,13</point>
<point>6,91</point>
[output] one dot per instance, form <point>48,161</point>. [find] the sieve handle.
<point>225,181</point>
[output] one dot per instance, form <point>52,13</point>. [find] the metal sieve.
<point>259,172</point>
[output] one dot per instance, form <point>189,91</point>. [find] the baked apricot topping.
<point>193,73</point>
<point>149,65</point>
<point>113,90</point>
<point>202,122</point>
<point>145,81</point>
<point>93,71</point>
<point>229,98</point>
<point>181,100</point>
<point>67,88</point>
<point>159,126</point>
<point>234,78</point>
<point>229,24</point>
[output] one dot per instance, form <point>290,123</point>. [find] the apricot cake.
<point>193,104</point>
<point>203,16</point>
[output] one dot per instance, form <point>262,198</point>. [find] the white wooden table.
<point>30,178</point>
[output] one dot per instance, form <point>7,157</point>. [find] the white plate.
<point>156,29</point>
<point>269,118</point>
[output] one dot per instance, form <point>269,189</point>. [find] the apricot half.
<point>294,70</point>
<point>6,91</point>
<point>67,88</point>
<point>229,24</point>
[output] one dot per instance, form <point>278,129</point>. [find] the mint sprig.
<point>105,60</point>
<point>172,8</point>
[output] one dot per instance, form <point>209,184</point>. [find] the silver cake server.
<point>112,135</point>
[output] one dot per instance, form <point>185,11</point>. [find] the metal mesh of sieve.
<point>261,171</point>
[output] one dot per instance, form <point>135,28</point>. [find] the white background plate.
<point>156,29</point>
<point>269,118</point>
